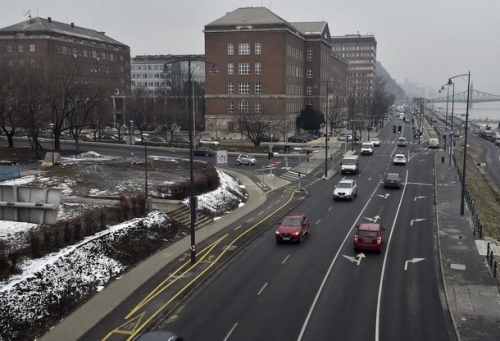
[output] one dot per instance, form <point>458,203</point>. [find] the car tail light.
<point>356,238</point>
<point>379,240</point>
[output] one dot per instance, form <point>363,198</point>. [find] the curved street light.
<point>466,128</point>
<point>193,202</point>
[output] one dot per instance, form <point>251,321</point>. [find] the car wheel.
<point>238,163</point>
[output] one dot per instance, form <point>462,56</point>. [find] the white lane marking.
<point>262,289</point>
<point>230,332</point>
<point>284,260</point>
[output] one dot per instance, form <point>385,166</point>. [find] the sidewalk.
<point>471,291</point>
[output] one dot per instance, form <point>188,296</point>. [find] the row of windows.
<point>244,68</point>
<point>147,67</point>
<point>295,52</point>
<point>357,54</point>
<point>244,49</point>
<point>20,47</point>
<point>79,52</point>
<point>355,48</point>
<point>148,75</point>
<point>356,74</point>
<point>293,70</point>
<point>360,61</point>
<point>21,62</point>
<point>150,84</point>
<point>362,68</point>
<point>244,88</point>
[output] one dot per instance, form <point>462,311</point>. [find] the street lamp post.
<point>52,141</point>
<point>446,115</point>
<point>130,140</point>
<point>193,202</point>
<point>466,128</point>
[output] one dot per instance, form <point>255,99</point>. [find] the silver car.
<point>246,159</point>
<point>345,189</point>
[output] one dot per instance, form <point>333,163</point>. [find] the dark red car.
<point>293,228</point>
<point>369,236</point>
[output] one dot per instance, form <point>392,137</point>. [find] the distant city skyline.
<point>425,43</point>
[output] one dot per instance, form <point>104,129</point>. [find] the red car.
<point>369,236</point>
<point>293,228</point>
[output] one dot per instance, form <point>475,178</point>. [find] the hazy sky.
<point>424,41</point>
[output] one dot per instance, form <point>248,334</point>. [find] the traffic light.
<point>394,129</point>
<point>399,129</point>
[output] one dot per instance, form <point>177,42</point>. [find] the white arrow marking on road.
<point>373,220</point>
<point>420,197</point>
<point>356,259</point>
<point>385,196</point>
<point>414,260</point>
<point>416,220</point>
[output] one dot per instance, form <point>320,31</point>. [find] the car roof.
<point>369,226</point>
<point>399,155</point>
<point>392,175</point>
<point>349,181</point>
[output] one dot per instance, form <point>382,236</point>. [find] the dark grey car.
<point>392,180</point>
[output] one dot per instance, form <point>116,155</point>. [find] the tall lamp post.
<point>446,115</point>
<point>466,128</point>
<point>52,141</point>
<point>131,134</point>
<point>193,202</point>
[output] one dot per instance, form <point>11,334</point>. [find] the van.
<point>433,143</point>
<point>367,148</point>
<point>349,164</point>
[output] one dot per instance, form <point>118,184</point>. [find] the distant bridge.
<point>475,97</point>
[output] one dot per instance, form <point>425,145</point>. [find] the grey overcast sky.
<point>425,41</point>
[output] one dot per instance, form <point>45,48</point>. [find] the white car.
<point>209,141</point>
<point>245,159</point>
<point>399,159</point>
<point>375,141</point>
<point>345,189</point>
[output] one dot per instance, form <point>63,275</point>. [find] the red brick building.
<point>39,41</point>
<point>268,66</point>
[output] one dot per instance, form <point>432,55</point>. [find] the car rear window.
<point>365,233</point>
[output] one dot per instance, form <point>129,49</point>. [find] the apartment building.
<point>40,41</point>
<point>268,66</point>
<point>361,53</point>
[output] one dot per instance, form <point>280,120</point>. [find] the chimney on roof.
<point>49,19</point>
<point>72,25</point>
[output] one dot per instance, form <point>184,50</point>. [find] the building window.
<point>9,47</point>
<point>258,48</point>
<point>244,68</point>
<point>21,61</point>
<point>230,88</point>
<point>258,88</point>
<point>230,49</point>
<point>309,73</point>
<point>230,107</point>
<point>10,62</point>
<point>32,62</point>
<point>64,50</point>
<point>244,107</point>
<point>309,90</point>
<point>20,48</point>
<point>244,49</point>
<point>244,88</point>
<point>258,108</point>
<point>230,68</point>
<point>309,54</point>
<point>258,68</point>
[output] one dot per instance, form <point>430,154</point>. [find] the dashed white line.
<point>262,289</point>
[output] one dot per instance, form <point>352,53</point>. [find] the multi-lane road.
<point>320,289</point>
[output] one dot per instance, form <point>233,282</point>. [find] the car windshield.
<point>344,185</point>
<point>366,145</point>
<point>291,222</point>
<point>365,233</point>
<point>392,177</point>
<point>349,162</point>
